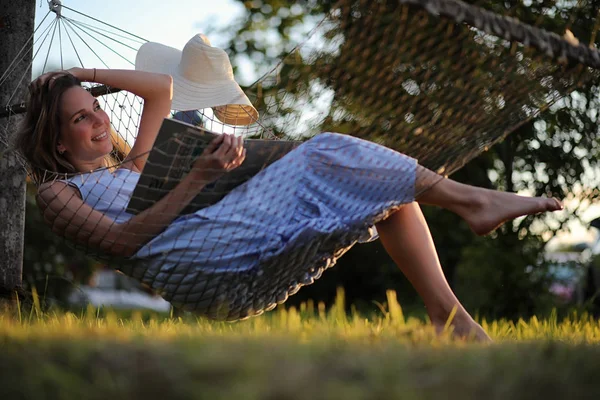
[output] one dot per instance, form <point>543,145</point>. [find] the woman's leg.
<point>483,209</point>
<point>407,239</point>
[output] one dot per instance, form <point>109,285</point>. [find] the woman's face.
<point>84,131</point>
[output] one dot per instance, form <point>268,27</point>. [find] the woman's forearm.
<point>127,238</point>
<point>147,85</point>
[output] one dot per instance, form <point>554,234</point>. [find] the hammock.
<point>438,80</point>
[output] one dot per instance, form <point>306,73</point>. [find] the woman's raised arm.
<point>155,89</point>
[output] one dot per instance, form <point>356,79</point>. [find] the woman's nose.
<point>98,120</point>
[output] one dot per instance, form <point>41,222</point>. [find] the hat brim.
<point>230,103</point>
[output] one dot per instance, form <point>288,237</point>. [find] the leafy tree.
<point>553,154</point>
<point>50,266</point>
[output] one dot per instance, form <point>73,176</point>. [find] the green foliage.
<point>551,155</point>
<point>500,279</point>
<point>50,266</point>
<point>266,32</point>
<point>365,273</point>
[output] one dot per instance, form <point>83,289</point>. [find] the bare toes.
<point>556,205</point>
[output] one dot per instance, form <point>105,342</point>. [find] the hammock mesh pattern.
<point>439,81</point>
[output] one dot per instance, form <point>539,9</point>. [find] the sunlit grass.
<point>310,352</point>
<point>310,322</point>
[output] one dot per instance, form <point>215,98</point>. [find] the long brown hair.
<point>39,133</point>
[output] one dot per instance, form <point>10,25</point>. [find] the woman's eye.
<point>83,116</point>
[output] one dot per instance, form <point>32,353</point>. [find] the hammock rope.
<point>438,80</point>
<point>19,57</point>
<point>22,77</point>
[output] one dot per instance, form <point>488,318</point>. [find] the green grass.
<point>306,353</point>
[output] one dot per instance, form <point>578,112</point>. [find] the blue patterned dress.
<point>269,236</point>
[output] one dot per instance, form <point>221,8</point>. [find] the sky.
<point>154,20</point>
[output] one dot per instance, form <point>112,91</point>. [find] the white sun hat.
<point>202,78</point>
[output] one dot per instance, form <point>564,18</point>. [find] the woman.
<point>246,253</point>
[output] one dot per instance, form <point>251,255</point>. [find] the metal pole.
<point>17,20</point>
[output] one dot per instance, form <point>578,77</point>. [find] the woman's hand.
<point>41,80</point>
<point>84,75</point>
<point>225,153</point>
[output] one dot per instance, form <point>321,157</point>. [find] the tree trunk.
<point>16,27</point>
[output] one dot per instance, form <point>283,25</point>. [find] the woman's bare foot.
<point>490,209</point>
<point>463,327</point>
<point>483,209</point>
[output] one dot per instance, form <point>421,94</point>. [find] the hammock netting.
<point>439,81</point>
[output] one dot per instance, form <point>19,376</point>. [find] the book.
<point>175,149</point>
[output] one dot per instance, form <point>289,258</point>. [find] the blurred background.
<point>528,267</point>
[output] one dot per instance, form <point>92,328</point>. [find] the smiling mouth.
<point>101,136</point>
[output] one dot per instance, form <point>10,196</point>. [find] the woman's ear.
<point>60,148</point>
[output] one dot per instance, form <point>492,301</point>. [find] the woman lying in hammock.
<point>267,237</point>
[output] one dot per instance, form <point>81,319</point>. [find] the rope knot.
<point>56,7</point>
